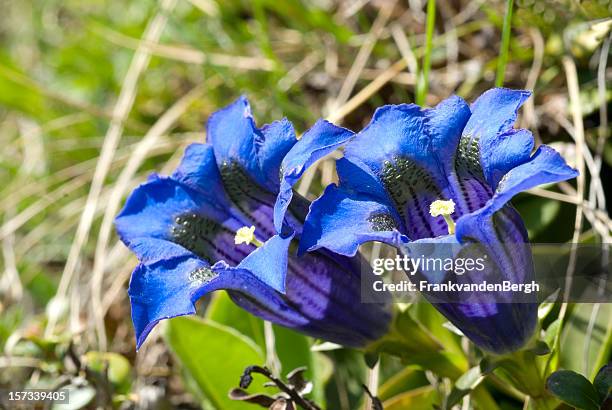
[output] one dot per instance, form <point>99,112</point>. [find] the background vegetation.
<point>95,95</point>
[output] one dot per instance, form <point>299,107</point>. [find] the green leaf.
<point>603,382</point>
<point>293,351</point>
<point>225,312</point>
<point>213,355</point>
<point>573,389</point>
<point>422,398</point>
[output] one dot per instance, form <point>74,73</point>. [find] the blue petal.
<point>169,211</point>
<point>496,327</point>
<point>395,130</point>
<point>494,114</point>
<point>410,152</point>
<point>320,140</point>
<point>269,263</point>
<point>151,208</point>
<point>427,137</point>
<point>544,167</point>
<point>510,150</point>
<point>171,287</point>
<point>496,321</point>
<point>164,290</point>
<point>198,170</point>
<point>495,111</point>
<point>325,287</point>
<point>354,175</point>
<point>444,125</point>
<point>238,142</point>
<point>279,138</point>
<point>341,220</point>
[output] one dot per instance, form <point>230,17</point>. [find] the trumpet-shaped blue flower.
<point>406,159</point>
<point>183,230</point>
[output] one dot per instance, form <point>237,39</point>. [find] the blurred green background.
<point>95,95</point>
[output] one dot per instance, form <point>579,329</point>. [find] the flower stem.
<point>423,81</point>
<point>505,45</point>
<point>521,368</point>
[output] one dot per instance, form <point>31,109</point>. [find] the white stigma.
<point>440,207</point>
<point>246,235</point>
<point>445,209</point>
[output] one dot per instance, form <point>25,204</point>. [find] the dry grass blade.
<point>403,45</point>
<point>363,95</point>
<point>120,113</point>
<point>364,54</point>
<point>10,282</point>
<point>574,96</point>
<point>187,54</point>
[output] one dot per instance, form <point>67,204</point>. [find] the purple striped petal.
<point>498,322</point>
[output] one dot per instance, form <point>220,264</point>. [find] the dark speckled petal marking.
<point>251,199</point>
<point>208,239</point>
<point>382,222</point>
<point>472,186</point>
<point>412,189</point>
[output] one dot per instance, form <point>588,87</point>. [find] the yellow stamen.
<point>247,235</point>
<point>445,209</point>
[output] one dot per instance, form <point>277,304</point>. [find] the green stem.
<point>423,83</point>
<point>523,371</point>
<point>505,45</point>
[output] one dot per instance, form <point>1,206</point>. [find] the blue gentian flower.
<point>406,159</point>
<point>183,229</point>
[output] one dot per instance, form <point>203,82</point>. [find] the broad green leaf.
<point>214,355</point>
<point>422,398</point>
<point>225,312</point>
<point>573,389</point>
<point>293,350</point>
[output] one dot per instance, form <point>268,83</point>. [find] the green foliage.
<point>574,389</point>
<point>603,382</point>
<point>213,355</point>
